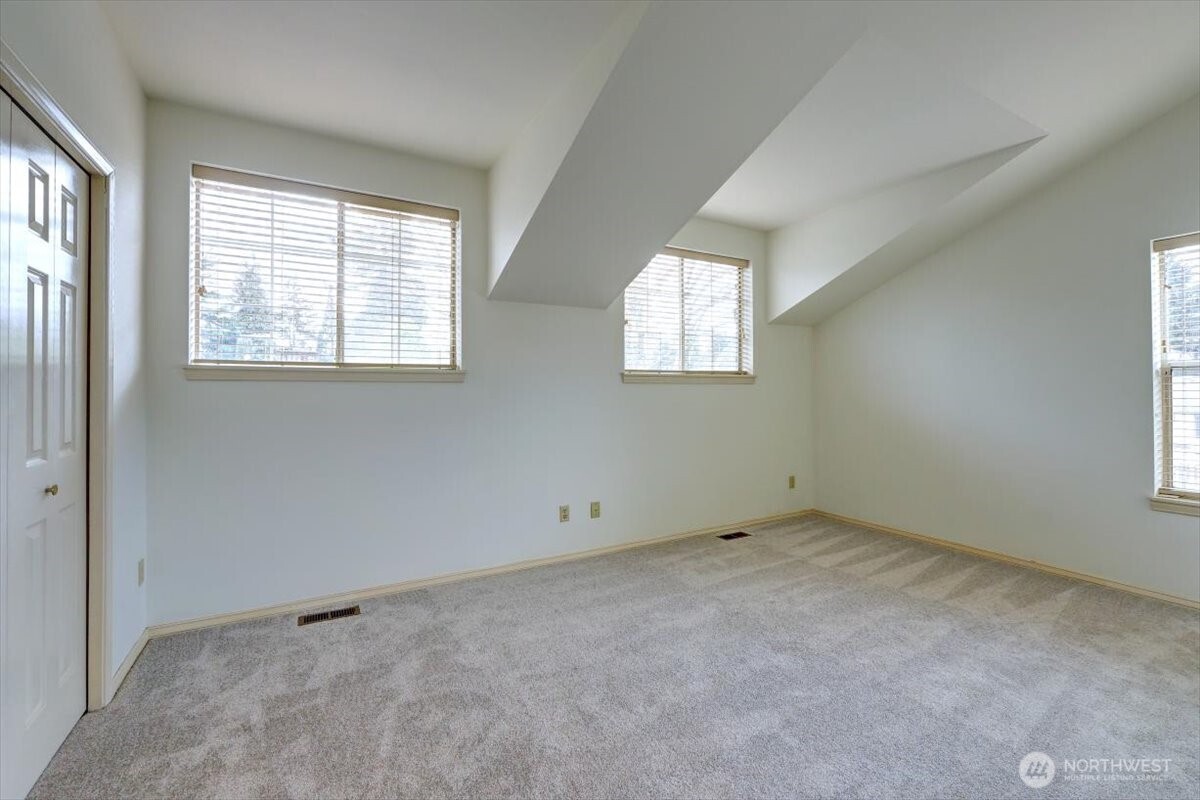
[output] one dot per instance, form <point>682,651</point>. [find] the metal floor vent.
<point>321,616</point>
<point>731,536</point>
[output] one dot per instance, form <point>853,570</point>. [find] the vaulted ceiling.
<point>451,80</point>
<point>862,136</point>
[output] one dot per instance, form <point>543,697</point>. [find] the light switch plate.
<point>564,513</point>
<point>595,509</point>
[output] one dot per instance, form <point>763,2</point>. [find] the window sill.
<point>231,372</point>
<point>1175,505</point>
<point>683,377</point>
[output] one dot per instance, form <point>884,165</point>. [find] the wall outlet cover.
<point>141,571</point>
<point>595,509</point>
<point>564,513</point>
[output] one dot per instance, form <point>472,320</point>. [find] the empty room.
<point>599,399</point>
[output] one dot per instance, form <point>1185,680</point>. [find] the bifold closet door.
<point>44,216</point>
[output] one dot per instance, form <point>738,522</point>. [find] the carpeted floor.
<point>814,659</point>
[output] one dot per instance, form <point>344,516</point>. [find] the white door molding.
<point>32,97</point>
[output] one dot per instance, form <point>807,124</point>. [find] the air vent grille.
<point>321,616</point>
<point>731,536</point>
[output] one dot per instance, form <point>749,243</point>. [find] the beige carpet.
<point>814,659</point>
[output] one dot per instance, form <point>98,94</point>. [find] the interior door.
<point>44,541</point>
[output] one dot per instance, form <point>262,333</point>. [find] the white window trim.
<point>632,376</point>
<point>695,377</point>
<point>1175,505</point>
<point>1170,500</point>
<point>250,371</point>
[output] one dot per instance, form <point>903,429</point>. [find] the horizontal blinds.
<point>313,190</point>
<point>689,312</point>
<point>295,274</point>
<point>1178,267</point>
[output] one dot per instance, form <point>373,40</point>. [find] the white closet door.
<point>44,540</point>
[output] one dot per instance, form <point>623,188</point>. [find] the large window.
<point>1177,348</point>
<point>289,274</point>
<point>689,314</point>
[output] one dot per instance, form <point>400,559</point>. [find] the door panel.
<point>38,212</point>
<point>32,557</point>
<point>67,331</point>
<point>70,593</point>
<point>43,552</point>
<point>37,332</point>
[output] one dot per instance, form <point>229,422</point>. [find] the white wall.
<point>262,493</point>
<point>71,50</point>
<point>998,393</point>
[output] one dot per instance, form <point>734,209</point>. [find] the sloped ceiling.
<point>892,151</point>
<point>684,105</point>
<point>878,117</point>
<point>449,79</point>
<point>861,135</point>
<point>844,143</point>
<point>881,144</point>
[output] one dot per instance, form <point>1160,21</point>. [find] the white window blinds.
<point>1177,335</point>
<point>690,313</point>
<point>287,273</point>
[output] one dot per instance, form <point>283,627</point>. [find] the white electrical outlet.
<point>564,513</point>
<point>595,509</point>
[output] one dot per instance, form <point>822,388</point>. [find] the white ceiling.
<point>458,80</point>
<point>1084,72</point>
<point>452,80</point>
<point>930,84</point>
<point>878,116</point>
<point>651,150</point>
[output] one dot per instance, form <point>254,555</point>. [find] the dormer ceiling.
<point>860,136</point>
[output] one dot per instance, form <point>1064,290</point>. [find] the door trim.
<point>34,100</point>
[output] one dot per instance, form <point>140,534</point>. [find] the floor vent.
<point>731,536</point>
<point>321,616</point>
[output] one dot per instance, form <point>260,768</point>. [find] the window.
<point>288,274</point>
<point>1177,340</point>
<point>689,314</point>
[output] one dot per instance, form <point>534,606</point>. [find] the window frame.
<point>1166,497</point>
<point>200,369</point>
<point>746,323</point>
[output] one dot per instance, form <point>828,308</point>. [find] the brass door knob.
<point>52,490</point>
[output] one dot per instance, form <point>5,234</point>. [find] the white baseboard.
<point>132,656</point>
<point>166,629</point>
<point>994,555</point>
<point>169,628</point>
